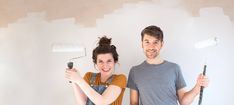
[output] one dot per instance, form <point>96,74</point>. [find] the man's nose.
<point>151,46</point>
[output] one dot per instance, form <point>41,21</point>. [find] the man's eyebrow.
<point>157,40</point>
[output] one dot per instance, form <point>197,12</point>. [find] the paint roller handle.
<point>204,70</point>
<point>202,87</point>
<point>70,66</point>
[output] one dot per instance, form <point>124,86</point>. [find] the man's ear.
<point>162,43</point>
<point>141,44</point>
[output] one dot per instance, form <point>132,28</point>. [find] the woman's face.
<point>105,63</point>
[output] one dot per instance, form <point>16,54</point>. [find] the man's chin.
<point>151,57</point>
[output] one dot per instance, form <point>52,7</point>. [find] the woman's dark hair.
<point>104,46</point>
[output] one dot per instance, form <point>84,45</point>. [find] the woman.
<point>101,88</point>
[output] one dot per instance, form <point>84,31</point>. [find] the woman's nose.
<point>105,65</point>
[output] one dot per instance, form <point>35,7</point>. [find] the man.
<point>157,81</point>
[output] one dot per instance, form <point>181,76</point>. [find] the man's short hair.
<point>153,31</point>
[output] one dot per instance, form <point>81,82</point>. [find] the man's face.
<point>151,46</point>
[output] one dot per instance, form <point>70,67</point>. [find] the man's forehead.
<point>151,38</point>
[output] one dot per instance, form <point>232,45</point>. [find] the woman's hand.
<point>72,75</point>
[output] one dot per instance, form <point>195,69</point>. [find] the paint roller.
<point>69,48</point>
<point>200,45</point>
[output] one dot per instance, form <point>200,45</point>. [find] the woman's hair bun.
<point>104,41</point>
<point>112,46</point>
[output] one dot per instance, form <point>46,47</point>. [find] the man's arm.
<point>134,97</point>
<point>186,98</point>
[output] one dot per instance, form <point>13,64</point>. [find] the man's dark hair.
<point>153,31</point>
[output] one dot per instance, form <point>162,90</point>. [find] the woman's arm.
<point>109,95</point>
<point>79,95</point>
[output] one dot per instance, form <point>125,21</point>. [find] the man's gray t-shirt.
<point>156,84</point>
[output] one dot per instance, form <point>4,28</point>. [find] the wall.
<point>31,74</point>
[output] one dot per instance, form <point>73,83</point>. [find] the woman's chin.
<point>106,72</point>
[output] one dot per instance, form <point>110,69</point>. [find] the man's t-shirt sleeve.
<point>180,82</point>
<point>131,81</point>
